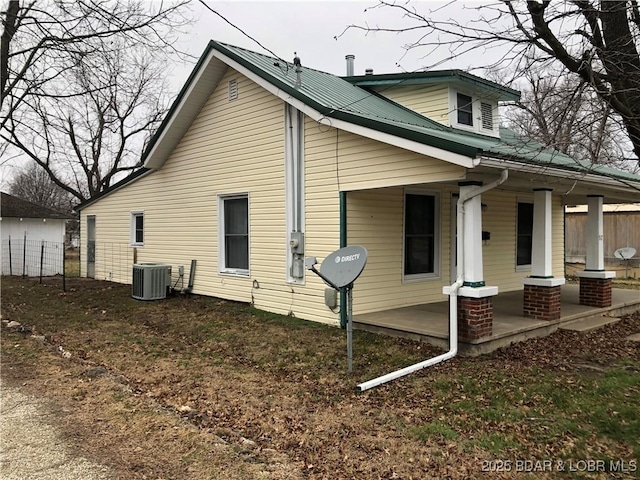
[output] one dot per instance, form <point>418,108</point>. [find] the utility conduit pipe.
<point>453,294</point>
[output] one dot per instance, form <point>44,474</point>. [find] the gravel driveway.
<point>31,448</point>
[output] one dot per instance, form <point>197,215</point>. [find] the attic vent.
<point>486,110</point>
<point>233,89</point>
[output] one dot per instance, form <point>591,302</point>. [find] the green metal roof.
<point>337,97</point>
<point>457,77</point>
<point>343,99</point>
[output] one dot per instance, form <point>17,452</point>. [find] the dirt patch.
<point>204,388</point>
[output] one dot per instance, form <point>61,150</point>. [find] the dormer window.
<point>465,109</point>
<point>473,113</point>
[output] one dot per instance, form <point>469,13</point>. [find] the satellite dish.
<point>343,266</point>
<point>625,253</point>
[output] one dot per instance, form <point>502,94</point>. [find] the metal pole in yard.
<point>64,268</point>
<point>41,259</point>
<point>350,328</point>
<point>24,254</point>
<point>10,259</point>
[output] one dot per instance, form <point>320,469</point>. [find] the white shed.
<point>29,233</point>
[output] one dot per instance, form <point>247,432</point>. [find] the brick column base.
<point>541,303</point>
<point>475,317</point>
<point>595,292</point>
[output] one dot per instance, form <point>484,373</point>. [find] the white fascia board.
<point>387,138</point>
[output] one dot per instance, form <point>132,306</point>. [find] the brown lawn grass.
<point>194,388</point>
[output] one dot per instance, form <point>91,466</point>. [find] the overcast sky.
<point>309,28</point>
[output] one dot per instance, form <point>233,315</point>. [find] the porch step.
<point>587,324</point>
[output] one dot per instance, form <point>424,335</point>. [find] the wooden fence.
<point>621,229</point>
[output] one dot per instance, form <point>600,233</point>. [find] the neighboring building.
<point>621,224</point>
<point>254,154</point>
<point>23,228</point>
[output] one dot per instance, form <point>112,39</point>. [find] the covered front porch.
<point>429,322</point>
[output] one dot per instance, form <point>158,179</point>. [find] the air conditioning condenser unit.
<point>151,281</point>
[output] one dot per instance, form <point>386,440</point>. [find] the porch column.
<point>541,289</point>
<point>472,238</point>
<point>475,299</point>
<point>595,281</point>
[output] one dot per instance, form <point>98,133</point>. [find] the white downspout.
<point>453,295</point>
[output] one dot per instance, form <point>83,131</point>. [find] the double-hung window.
<point>465,109</point>
<point>421,236</point>
<point>525,234</point>
<point>233,224</point>
<point>137,228</point>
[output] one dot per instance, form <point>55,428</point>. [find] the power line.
<point>242,31</point>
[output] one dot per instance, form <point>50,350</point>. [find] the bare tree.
<point>596,40</point>
<point>560,112</point>
<point>82,84</point>
<point>33,184</point>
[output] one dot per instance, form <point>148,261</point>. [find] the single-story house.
<point>261,162</point>
<point>24,226</point>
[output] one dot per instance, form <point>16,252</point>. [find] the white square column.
<point>472,236</point>
<point>541,289</point>
<point>595,281</point>
<point>595,234</point>
<point>541,265</point>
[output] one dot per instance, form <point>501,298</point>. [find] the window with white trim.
<point>473,113</point>
<point>524,241</point>
<point>421,236</point>
<point>233,229</point>
<point>464,105</point>
<point>137,228</point>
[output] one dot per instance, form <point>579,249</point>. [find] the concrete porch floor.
<point>430,322</point>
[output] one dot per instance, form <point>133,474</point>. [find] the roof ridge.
<point>289,64</point>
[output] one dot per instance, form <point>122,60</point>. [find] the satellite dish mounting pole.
<point>350,327</point>
<point>339,270</point>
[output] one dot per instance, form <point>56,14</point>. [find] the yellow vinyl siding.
<point>432,101</point>
<point>226,141</point>
<point>237,147</point>
<point>363,163</point>
<point>376,222</point>
<point>231,147</point>
<point>499,253</point>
